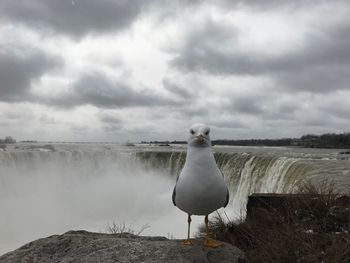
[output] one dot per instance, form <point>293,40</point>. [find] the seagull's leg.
<point>208,242</point>
<point>188,241</point>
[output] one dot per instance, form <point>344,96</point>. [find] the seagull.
<point>200,188</point>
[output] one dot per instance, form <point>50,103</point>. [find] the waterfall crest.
<point>245,173</point>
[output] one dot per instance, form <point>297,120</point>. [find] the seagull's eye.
<point>192,132</point>
<point>207,132</point>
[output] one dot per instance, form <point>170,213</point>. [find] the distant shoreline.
<point>324,141</point>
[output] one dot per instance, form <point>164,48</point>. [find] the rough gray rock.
<point>83,246</point>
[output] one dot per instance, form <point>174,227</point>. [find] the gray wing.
<point>227,191</point>
<point>174,191</point>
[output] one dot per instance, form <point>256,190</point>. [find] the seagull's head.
<point>199,135</point>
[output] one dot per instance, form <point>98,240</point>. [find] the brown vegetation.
<point>312,228</point>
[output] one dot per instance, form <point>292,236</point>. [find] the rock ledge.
<point>83,246</point>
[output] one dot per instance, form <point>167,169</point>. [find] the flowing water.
<point>45,190</point>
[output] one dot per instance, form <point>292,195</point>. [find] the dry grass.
<point>312,228</point>
<point>122,228</point>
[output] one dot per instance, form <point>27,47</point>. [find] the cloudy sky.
<point>119,70</point>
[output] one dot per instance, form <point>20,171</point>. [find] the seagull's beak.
<point>200,138</point>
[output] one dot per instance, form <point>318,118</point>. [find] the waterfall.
<point>50,190</point>
<point>244,173</point>
<point>169,162</point>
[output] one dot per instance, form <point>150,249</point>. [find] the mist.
<point>89,187</point>
<point>42,194</point>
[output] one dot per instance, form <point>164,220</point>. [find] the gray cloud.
<point>16,114</point>
<point>268,5</point>
<point>212,77</point>
<point>211,59</point>
<point>178,90</point>
<point>112,127</point>
<point>72,17</point>
<point>233,123</point>
<point>322,79</point>
<point>107,118</point>
<point>79,129</point>
<point>19,69</point>
<point>203,49</point>
<point>46,119</point>
<point>320,65</point>
<point>111,122</point>
<point>247,105</point>
<point>99,90</point>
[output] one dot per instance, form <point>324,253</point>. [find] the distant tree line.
<point>329,140</point>
<point>7,140</point>
<point>255,142</point>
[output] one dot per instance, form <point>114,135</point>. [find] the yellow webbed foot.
<point>187,242</point>
<point>208,242</point>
